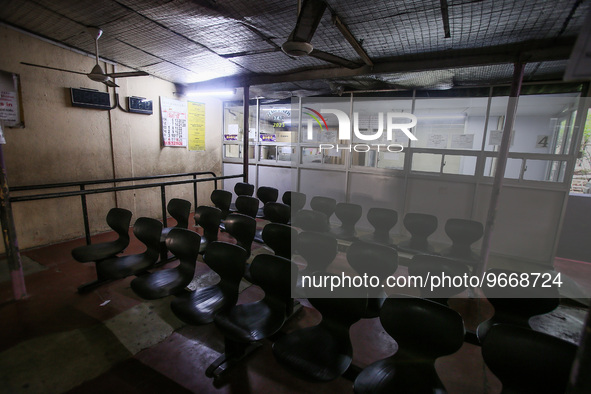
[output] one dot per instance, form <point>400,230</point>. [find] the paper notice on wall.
<point>2,140</point>
<point>196,126</point>
<point>462,141</point>
<point>8,107</point>
<point>437,141</point>
<point>174,122</point>
<point>495,137</point>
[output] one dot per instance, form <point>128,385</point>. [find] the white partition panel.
<point>444,199</point>
<point>235,169</point>
<point>526,223</point>
<point>379,191</point>
<point>323,183</point>
<point>280,178</point>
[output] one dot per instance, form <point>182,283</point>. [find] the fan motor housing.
<point>297,48</point>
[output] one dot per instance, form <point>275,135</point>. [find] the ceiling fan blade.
<point>128,74</point>
<point>53,68</point>
<point>110,83</point>
<point>329,57</point>
<point>308,20</point>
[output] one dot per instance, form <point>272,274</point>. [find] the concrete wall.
<point>61,143</point>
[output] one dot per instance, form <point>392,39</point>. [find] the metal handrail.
<point>83,192</point>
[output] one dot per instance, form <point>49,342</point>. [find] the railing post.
<point>13,256</point>
<point>245,133</point>
<point>163,250</point>
<point>195,191</point>
<point>85,216</point>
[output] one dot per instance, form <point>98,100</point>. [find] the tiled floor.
<point>110,340</point>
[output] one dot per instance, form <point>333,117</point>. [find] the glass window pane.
<point>462,165</point>
<point>285,153</point>
<point>364,159</point>
<point>450,123</point>
<point>392,160</point>
<point>234,122</point>
<point>267,152</point>
<point>544,170</point>
<point>311,155</point>
<point>333,156</point>
<point>426,162</point>
<point>232,151</point>
<point>512,170</point>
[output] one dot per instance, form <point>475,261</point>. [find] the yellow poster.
<point>196,125</point>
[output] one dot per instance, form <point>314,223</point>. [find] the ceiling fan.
<point>97,74</point>
<point>298,43</point>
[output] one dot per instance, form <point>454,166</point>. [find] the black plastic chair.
<point>515,305</point>
<point>222,199</point>
<point>209,219</point>
<point>245,324</point>
<point>184,244</point>
<point>295,200</point>
<point>179,210</point>
<point>436,266</point>
<point>463,233</point>
<point>318,249</point>
<point>275,212</point>
<point>382,220</point>
<point>148,231</point>
<point>424,331</point>
<point>322,352</point>
<point>200,306</point>
<point>420,226</point>
<point>248,206</point>
<point>374,260</point>
<point>349,215</point>
<point>279,238</point>
<point>242,189</point>
<point>325,205</point>
<point>308,220</point>
<point>527,361</point>
<point>266,195</point>
<point>242,228</point>
<point>119,220</point>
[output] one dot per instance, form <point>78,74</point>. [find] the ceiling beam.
<point>351,39</point>
<point>524,52</point>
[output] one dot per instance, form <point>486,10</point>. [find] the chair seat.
<point>102,251</point>
<point>393,376</point>
<point>124,266</point>
<point>160,284</point>
<point>251,322</point>
<point>314,353</point>
<point>200,306</point>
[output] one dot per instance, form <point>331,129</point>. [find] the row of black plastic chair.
<point>206,303</point>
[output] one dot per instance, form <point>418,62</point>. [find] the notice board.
<point>196,125</point>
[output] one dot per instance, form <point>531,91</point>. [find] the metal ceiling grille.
<point>186,41</point>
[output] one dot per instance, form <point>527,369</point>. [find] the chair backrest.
<point>382,220</point>
<point>424,265</point>
<point>420,226</point>
<point>242,228</point>
<point>348,213</point>
<point>148,231</point>
<point>277,212</point>
<point>179,209</point>
<point>295,200</point>
<point>372,259</point>
<point>318,249</point>
<point>463,233</point>
<point>184,244</point>
<point>527,361</point>
<point>209,219</point>
<point>119,220</point>
<point>326,205</point>
<point>309,220</point>
<point>222,199</point>
<point>244,189</point>
<point>343,312</point>
<point>279,237</point>
<point>228,261</point>
<point>422,328</point>
<point>247,205</point>
<point>267,194</point>
<point>276,276</point>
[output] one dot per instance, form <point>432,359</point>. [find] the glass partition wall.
<point>354,149</point>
